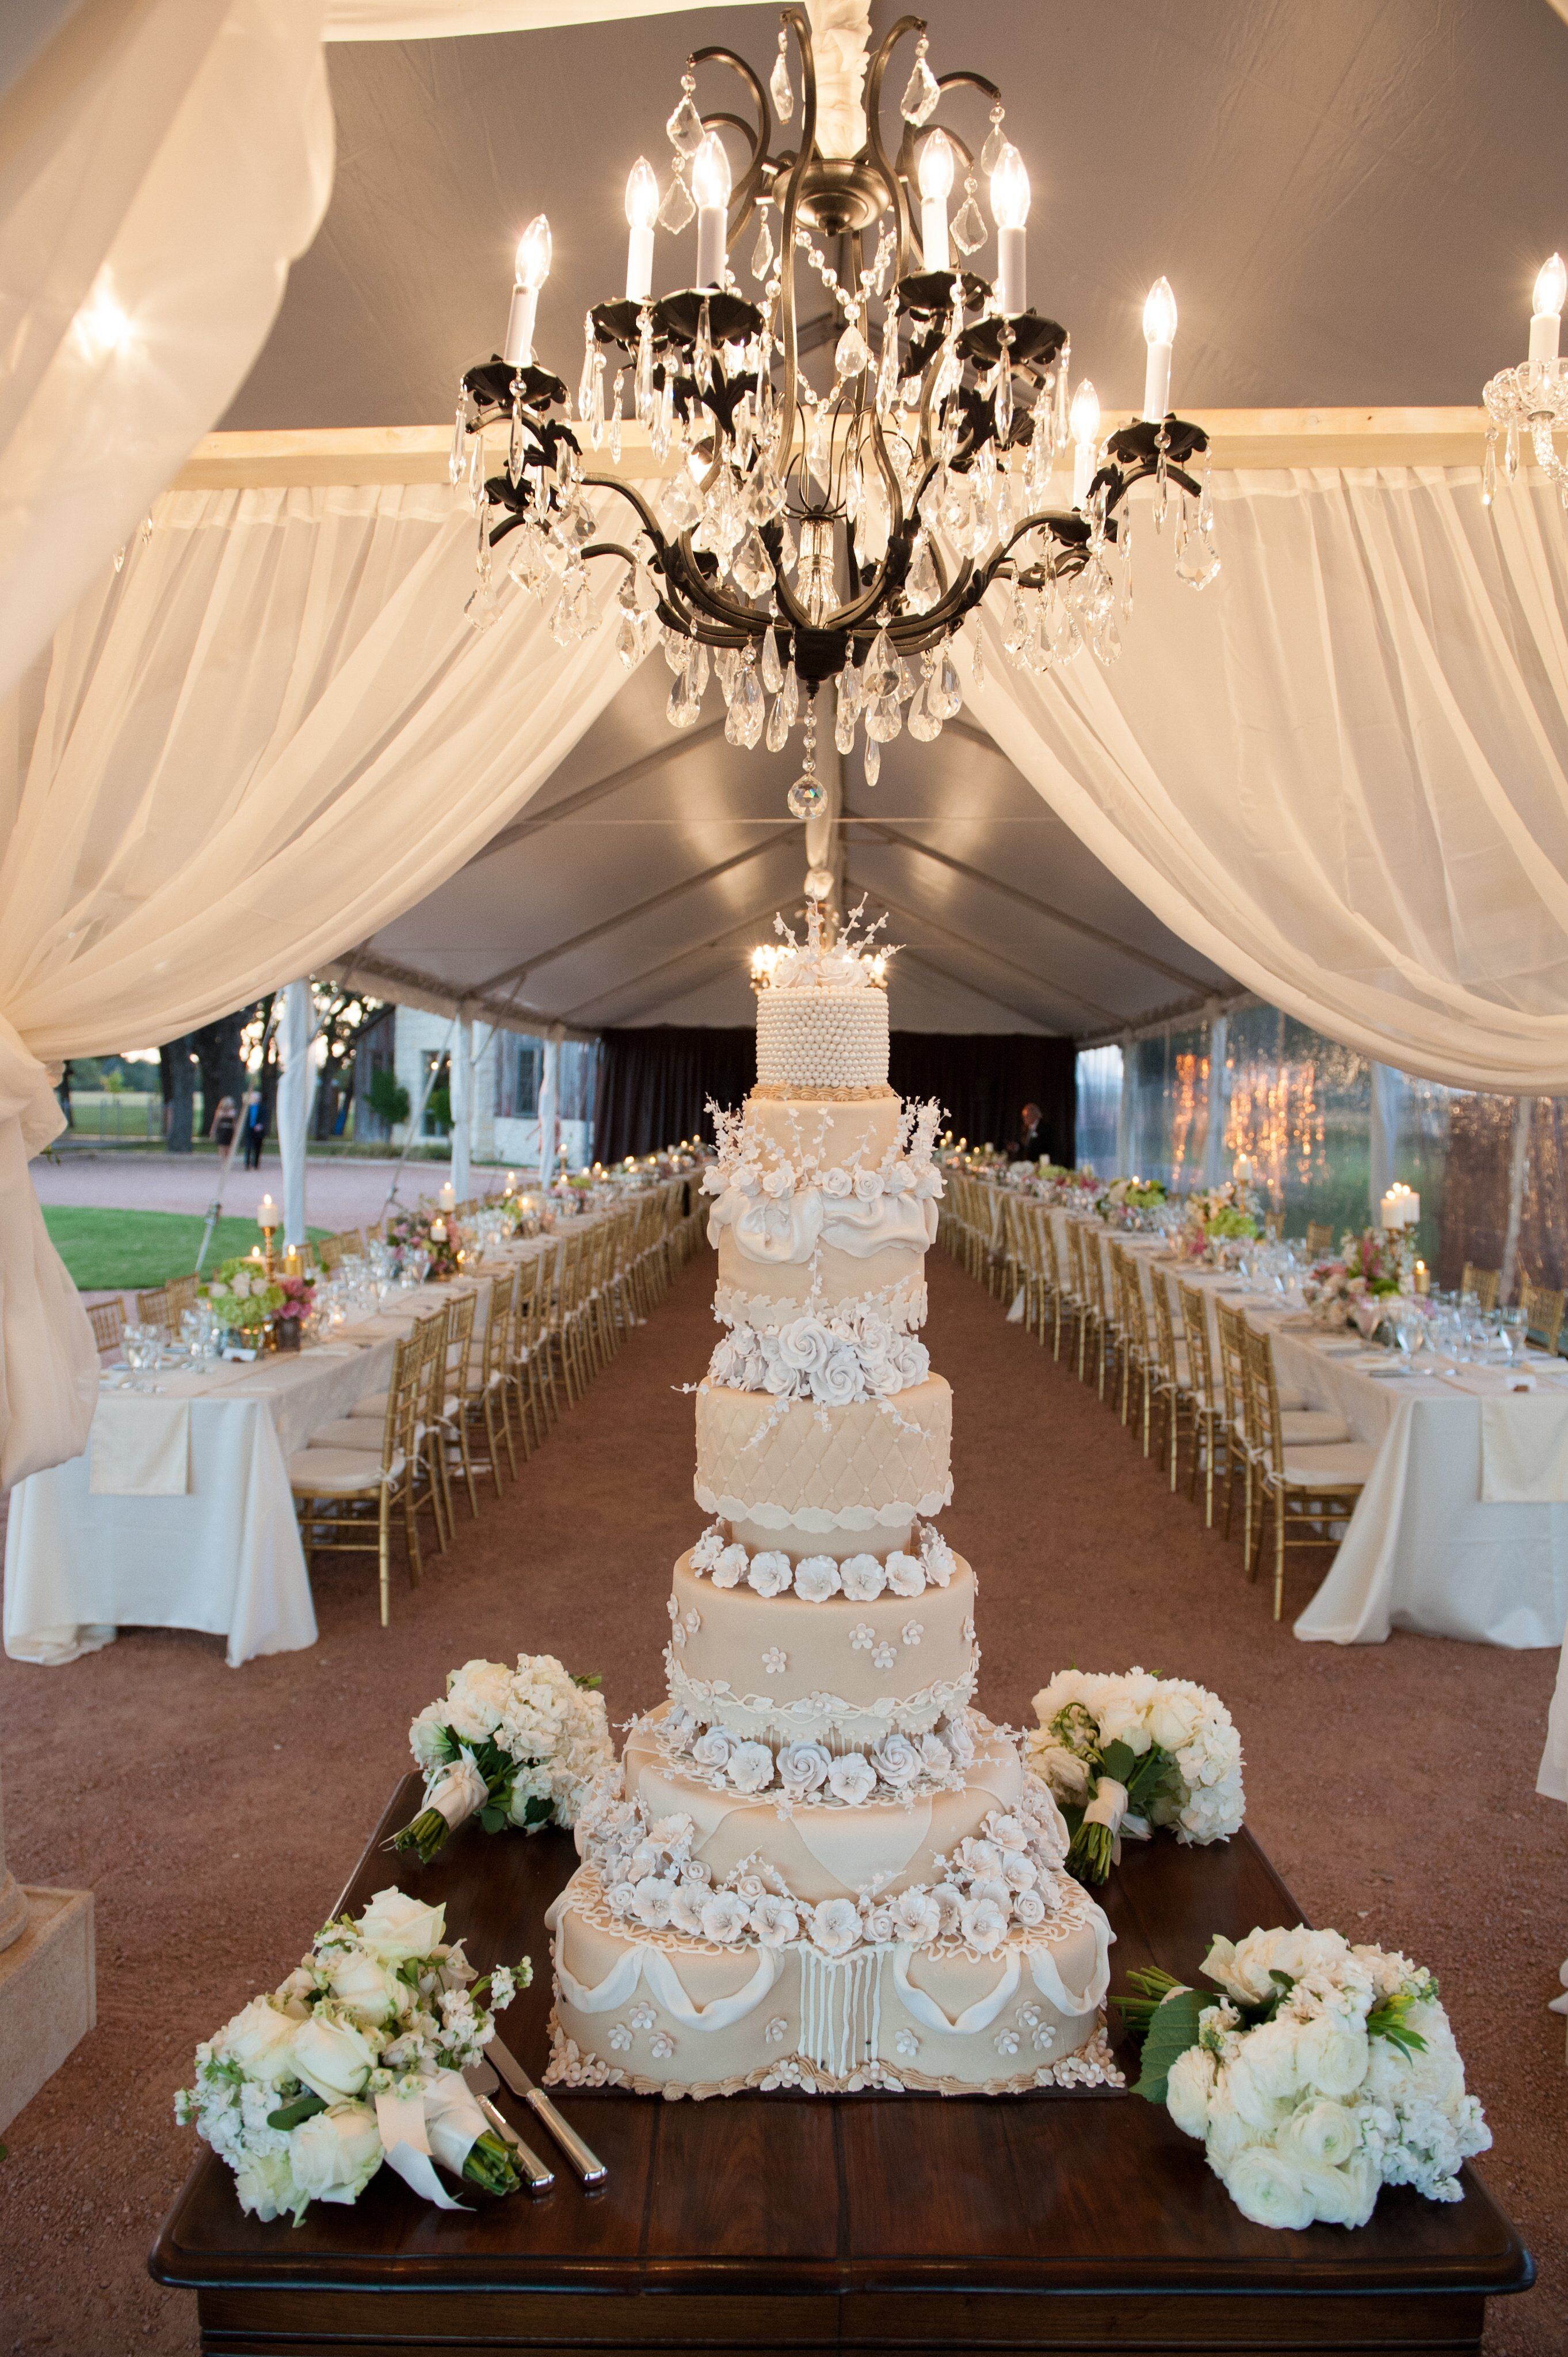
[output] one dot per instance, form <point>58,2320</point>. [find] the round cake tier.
<point>666,2015</point>
<point>871,1467</point>
<point>859,1251</point>
<point>816,1039</point>
<point>776,1668</point>
<point>825,1849</point>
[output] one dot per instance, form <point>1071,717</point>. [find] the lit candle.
<point>449,1195</point>
<point>1421,1278</point>
<point>530,271</point>
<point>1083,421</point>
<point>1546,320</point>
<point>267,1217</point>
<point>1159,334</point>
<point>437,1231</point>
<point>641,212</point>
<point>710,189</point>
<point>511,1182</point>
<point>935,187</point>
<point>1010,210</point>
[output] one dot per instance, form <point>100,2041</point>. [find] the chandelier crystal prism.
<point>843,529</point>
<point>1526,405</point>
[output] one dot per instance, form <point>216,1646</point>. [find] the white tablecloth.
<point>223,1557</point>
<point>1424,1549</point>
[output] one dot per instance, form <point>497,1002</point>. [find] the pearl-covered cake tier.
<point>822,1867</point>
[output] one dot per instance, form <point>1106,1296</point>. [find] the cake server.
<point>480,2080</point>
<point>587,2162</point>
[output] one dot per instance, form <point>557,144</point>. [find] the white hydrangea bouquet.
<point>1314,2073</point>
<point>516,1746</point>
<point>1126,1754</point>
<point>357,2058</point>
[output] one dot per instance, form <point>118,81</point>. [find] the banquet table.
<point>199,1530</point>
<point>1462,1529</point>
<point>1068,2220</point>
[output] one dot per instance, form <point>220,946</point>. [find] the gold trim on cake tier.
<point>784,1092</point>
<point>872,1466</point>
<point>775,1668</point>
<point>670,2015</point>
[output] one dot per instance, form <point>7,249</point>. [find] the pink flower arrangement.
<point>298,1297</point>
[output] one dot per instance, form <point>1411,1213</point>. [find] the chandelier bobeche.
<point>840,534</point>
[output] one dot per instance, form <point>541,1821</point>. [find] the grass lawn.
<point>112,1251</point>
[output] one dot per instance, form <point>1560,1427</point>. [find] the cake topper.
<point>851,961</point>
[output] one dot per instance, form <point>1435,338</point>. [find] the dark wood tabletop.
<point>881,2220</point>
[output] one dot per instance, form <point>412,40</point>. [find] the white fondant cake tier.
<point>825,1849</point>
<point>777,1666</point>
<point>816,1039</point>
<point>663,2014</point>
<point>799,1129</point>
<point>872,1466</point>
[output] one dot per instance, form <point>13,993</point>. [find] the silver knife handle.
<point>584,2159</point>
<point>540,2178</point>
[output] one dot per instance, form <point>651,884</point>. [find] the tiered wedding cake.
<point>824,1869</point>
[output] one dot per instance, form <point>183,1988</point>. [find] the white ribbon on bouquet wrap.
<point>458,1791</point>
<point>436,2118</point>
<point>1109,1808</point>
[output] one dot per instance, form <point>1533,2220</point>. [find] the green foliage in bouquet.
<point>512,1747</point>
<point>240,1295</point>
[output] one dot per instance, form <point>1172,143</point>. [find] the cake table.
<point>1063,2218</point>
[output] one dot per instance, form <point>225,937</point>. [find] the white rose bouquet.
<point>1124,1755</point>
<point>357,2058</point>
<point>515,1746</point>
<point>1314,2073</point>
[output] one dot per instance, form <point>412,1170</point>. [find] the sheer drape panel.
<point>161,162</point>
<point>1342,773</point>
<point>271,733</point>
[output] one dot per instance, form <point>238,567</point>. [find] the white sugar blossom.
<point>896,1759</point>
<point>816,1579</point>
<point>905,1575</point>
<point>984,1924</point>
<point>712,1748</point>
<point>885,1658</point>
<point>935,1756</point>
<point>731,1568</point>
<point>774,1920</point>
<point>724,1917</point>
<point>655,1898</point>
<point>862,1637</point>
<point>851,1778</point>
<point>836,1926</point>
<point>708,1549</point>
<point>771,1572</point>
<point>862,1577</point>
<point>907,2044</point>
<point>750,1767</point>
<point>775,1661</point>
<point>917,1918</point>
<point>803,1767</point>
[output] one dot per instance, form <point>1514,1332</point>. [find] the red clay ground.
<point>216,1812</point>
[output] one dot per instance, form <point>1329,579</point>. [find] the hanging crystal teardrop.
<point>969,231</point>
<point>458,457</point>
<point>686,125</point>
<point>921,92</point>
<point>991,154</point>
<point>1489,472</point>
<point>843,717</point>
<point>677,209</point>
<point>777,727</point>
<point>772,662</point>
<point>924,724</point>
<point>750,567</point>
<point>881,671</point>
<point>872,760</point>
<point>883,719</point>
<point>1003,405</point>
<point>1511,450</point>
<point>923,588</point>
<point>614,415</point>
<point>942,690</point>
<point>629,646</point>
<point>685,700</point>
<point>778,85</point>
<point>762,252</point>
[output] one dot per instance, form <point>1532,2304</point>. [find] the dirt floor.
<point>215,1811</point>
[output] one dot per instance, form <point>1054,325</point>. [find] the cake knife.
<point>586,2163</point>
<point>539,2178</point>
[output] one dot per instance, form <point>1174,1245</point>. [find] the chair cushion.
<point>355,1432</point>
<point>338,1473</point>
<point>1333,1468</point>
<point>374,1404</point>
<point>1312,1427</point>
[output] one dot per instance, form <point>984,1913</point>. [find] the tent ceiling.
<point>1351,199</point>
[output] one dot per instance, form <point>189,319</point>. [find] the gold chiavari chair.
<point>1086,1321</point>
<point>342,1491</point>
<point>1058,1292</point>
<point>1204,1399</point>
<point>1010,1248</point>
<point>1135,1358</point>
<point>1543,1311</point>
<point>1035,1225</point>
<point>1483,1283</point>
<point>1171,1374</point>
<point>329,1253</point>
<point>1319,1239</point>
<point>107,1320</point>
<point>1298,1490</point>
<point>152,1308</point>
<point>1273,1225</point>
<point>461,1388</point>
<point>1232,1330</point>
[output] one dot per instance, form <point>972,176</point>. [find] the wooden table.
<point>1076,2221</point>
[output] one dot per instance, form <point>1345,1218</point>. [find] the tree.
<point>176,1071</point>
<point>388,1096</point>
<point>342,1017</point>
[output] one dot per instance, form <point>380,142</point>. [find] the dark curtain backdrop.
<point>654,1083</point>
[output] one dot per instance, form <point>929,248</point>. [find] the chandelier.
<point>839,531</point>
<point>1532,399</point>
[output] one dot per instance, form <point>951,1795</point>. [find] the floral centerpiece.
<point>1125,1755</point>
<point>1314,2073</point>
<point>515,1746</point>
<point>1372,1269</point>
<point>429,1231</point>
<point>1126,1200</point>
<point>293,1311</point>
<point>1214,1221</point>
<point>243,1296</point>
<point>357,2058</point>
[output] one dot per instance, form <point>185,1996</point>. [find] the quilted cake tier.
<point>769,1468</point>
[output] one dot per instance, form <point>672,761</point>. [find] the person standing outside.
<point>253,1127</point>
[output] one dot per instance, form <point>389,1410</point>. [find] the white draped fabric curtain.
<point>1341,772</point>
<point>273,731</point>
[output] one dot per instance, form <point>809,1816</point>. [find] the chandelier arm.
<point>800,24</point>
<point>684,573</point>
<point>743,202</point>
<point>877,153</point>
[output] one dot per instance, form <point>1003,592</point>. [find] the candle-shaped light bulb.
<point>1010,210</point>
<point>710,191</point>
<point>530,272</point>
<point>935,187</point>
<point>1546,321</point>
<point>1159,334</point>
<point>1083,423</point>
<point>642,210</point>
